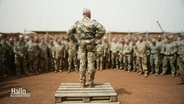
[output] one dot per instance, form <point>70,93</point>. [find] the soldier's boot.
<point>145,74</point>
<point>91,85</point>
<point>156,73</point>
<point>163,73</point>
<point>181,82</point>
<point>140,72</point>
<point>172,75</point>
<point>82,85</point>
<point>69,70</point>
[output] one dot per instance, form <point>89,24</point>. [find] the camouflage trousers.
<point>113,60</point>
<point>142,64</point>
<point>154,62</point>
<point>127,62</point>
<point>87,54</point>
<point>99,62</point>
<point>121,61</point>
<point>181,67</point>
<point>134,63</point>
<point>58,63</point>
<point>2,68</point>
<point>21,64</point>
<point>169,60</point>
<point>32,63</point>
<point>70,59</point>
<point>44,64</point>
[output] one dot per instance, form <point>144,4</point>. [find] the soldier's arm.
<point>72,31</point>
<point>100,30</point>
<point>174,49</point>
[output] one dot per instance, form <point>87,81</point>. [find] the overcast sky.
<point>115,15</point>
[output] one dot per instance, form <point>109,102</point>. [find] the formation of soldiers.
<point>159,56</point>
<point>34,55</point>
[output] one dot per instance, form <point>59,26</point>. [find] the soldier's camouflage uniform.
<point>128,56</point>
<point>8,57</point>
<point>33,55</point>
<point>59,57</point>
<point>141,49</point>
<point>72,56</point>
<point>20,51</point>
<point>106,58</point>
<point>88,31</point>
<point>114,54</point>
<point>43,61</point>
<point>170,58</point>
<point>2,58</point>
<point>154,57</point>
<point>100,55</point>
<point>181,60</point>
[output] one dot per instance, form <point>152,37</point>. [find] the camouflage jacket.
<point>87,30</point>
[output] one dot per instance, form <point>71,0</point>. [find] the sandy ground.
<point>130,87</point>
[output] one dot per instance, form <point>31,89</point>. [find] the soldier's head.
<point>159,38</point>
<point>21,38</point>
<point>36,39</point>
<point>104,39</point>
<point>114,40</point>
<point>169,39</point>
<point>87,12</point>
<point>140,38</point>
<point>153,41</point>
<point>1,36</point>
<point>126,41</point>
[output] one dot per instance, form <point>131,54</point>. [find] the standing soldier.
<point>33,55</point>
<point>2,59</point>
<point>8,56</point>
<point>106,51</point>
<point>43,62</point>
<point>178,42</point>
<point>181,61</point>
<point>20,51</point>
<point>128,54</point>
<point>134,55</point>
<point>160,43</point>
<point>100,54</point>
<point>169,50</point>
<point>114,52</point>
<point>88,31</point>
<point>59,55</point>
<point>119,58</point>
<point>141,49</point>
<point>154,56</point>
<point>72,55</point>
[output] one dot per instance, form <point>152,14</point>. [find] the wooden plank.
<point>84,94</point>
<point>80,102</point>
<point>95,86</point>
<point>63,84</point>
<point>83,89</point>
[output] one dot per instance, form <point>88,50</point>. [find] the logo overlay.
<point>19,92</point>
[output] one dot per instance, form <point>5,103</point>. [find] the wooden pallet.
<point>72,93</point>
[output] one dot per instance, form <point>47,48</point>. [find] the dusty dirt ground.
<point>130,87</point>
